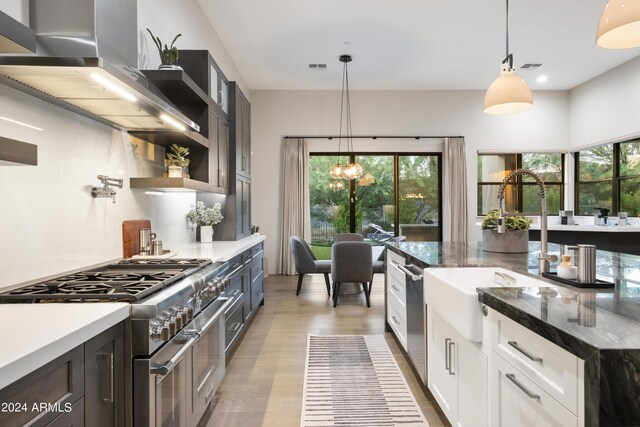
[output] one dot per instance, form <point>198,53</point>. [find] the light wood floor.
<point>263,382</point>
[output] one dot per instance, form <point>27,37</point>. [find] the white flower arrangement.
<point>203,215</point>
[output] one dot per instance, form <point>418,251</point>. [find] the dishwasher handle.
<point>411,274</point>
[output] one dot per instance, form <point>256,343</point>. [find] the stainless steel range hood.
<point>86,60</point>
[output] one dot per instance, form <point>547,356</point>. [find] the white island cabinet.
<point>457,373</point>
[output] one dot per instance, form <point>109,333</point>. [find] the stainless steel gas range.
<point>176,333</point>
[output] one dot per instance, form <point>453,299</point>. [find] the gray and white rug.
<point>353,380</point>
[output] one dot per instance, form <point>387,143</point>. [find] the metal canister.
<point>157,247</point>
<point>586,263</point>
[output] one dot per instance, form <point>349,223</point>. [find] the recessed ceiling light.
<point>346,43</point>
<point>542,79</point>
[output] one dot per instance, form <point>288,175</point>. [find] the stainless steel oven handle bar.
<point>219,312</point>
<point>164,369</point>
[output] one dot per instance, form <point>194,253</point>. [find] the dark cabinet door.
<point>246,138</point>
<point>214,149</point>
<point>105,378</point>
<point>59,383</point>
<point>246,208</point>
<point>223,154</point>
<point>73,418</point>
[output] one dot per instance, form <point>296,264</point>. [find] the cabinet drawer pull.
<point>234,326</point>
<point>451,347</point>
<point>395,288</point>
<point>395,320</point>
<point>209,393</point>
<point>106,361</point>
<point>447,362</point>
<point>414,277</point>
<point>512,378</point>
<point>515,345</point>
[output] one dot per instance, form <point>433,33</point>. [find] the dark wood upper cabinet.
<point>240,140</point>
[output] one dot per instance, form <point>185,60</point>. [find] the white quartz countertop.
<point>35,334</point>
<point>217,251</point>
<point>591,228</point>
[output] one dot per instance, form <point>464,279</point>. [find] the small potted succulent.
<point>177,162</point>
<point>205,218</point>
<point>514,240</point>
<point>168,54</point>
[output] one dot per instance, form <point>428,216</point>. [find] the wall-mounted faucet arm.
<point>106,190</point>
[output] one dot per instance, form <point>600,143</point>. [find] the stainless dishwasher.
<point>416,345</point>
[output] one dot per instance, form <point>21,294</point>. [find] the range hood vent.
<point>15,37</point>
<point>85,62</point>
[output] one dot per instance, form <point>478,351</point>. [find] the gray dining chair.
<point>307,263</point>
<point>348,237</point>
<point>378,265</point>
<point>351,262</point>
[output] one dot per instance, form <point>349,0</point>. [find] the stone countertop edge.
<point>51,332</point>
<point>222,250</point>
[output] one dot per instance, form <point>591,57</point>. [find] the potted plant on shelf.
<point>205,218</point>
<point>168,55</point>
<point>514,240</point>
<point>177,162</point>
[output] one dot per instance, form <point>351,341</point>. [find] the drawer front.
<point>256,265</point>
<point>73,418</point>
<point>257,291</point>
<point>235,287</point>
<point>396,283</point>
<point>256,249</point>
<point>520,401</point>
<point>396,317</point>
<point>234,322</point>
<point>392,256</point>
<point>246,256</point>
<point>553,369</point>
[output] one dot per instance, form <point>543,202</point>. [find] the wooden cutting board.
<point>131,236</point>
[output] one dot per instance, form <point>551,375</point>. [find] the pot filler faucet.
<point>544,258</point>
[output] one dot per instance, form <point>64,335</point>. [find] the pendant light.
<point>353,170</point>
<point>366,180</point>
<point>509,93</point>
<point>619,26</point>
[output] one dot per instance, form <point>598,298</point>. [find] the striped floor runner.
<point>353,380</point>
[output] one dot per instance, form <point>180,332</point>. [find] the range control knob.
<point>177,319</point>
<point>165,333</point>
<point>172,327</point>
<point>156,333</point>
<point>182,312</point>
<point>188,313</point>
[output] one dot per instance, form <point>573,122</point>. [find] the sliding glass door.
<point>398,194</point>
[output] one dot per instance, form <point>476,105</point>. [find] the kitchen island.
<point>600,327</point>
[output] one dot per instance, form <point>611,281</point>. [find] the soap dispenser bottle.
<point>567,269</point>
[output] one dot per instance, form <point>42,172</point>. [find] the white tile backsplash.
<point>49,223</point>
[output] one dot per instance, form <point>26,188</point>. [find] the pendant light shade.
<point>509,93</point>
<point>619,26</point>
<point>352,171</point>
<point>336,171</point>
<point>366,180</point>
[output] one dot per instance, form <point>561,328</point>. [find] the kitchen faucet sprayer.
<point>544,258</point>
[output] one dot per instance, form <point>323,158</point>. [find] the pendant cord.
<point>344,70</point>
<point>507,55</point>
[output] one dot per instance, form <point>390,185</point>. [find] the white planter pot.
<point>206,233</point>
<point>513,242</point>
<point>175,172</point>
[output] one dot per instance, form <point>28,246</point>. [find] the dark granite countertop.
<point>582,321</point>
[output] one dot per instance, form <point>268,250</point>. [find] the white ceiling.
<point>410,44</point>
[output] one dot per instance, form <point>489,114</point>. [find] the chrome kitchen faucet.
<point>544,258</point>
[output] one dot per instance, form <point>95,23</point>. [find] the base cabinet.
<point>457,374</point>
<point>519,401</point>
<point>84,386</point>
<point>247,287</point>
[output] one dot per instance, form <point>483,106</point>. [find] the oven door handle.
<point>219,312</point>
<point>165,368</point>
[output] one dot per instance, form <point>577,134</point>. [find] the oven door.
<point>161,383</point>
<point>206,356</point>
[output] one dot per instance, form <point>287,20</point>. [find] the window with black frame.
<point>521,193</point>
<point>608,177</point>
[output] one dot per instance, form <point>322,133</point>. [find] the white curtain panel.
<point>455,190</point>
<point>296,217</point>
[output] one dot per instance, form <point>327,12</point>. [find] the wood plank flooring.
<point>263,382</point>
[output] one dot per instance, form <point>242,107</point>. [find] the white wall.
<point>280,113</point>
<point>605,109</point>
<point>48,221</point>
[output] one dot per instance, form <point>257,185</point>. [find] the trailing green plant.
<point>202,215</point>
<point>513,223</point>
<point>178,156</point>
<point>168,54</point>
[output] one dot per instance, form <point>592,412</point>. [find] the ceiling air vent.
<point>317,67</point>
<point>530,67</point>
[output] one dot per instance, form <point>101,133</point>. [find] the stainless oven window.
<point>171,404</point>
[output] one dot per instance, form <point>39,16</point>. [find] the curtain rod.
<point>374,137</point>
